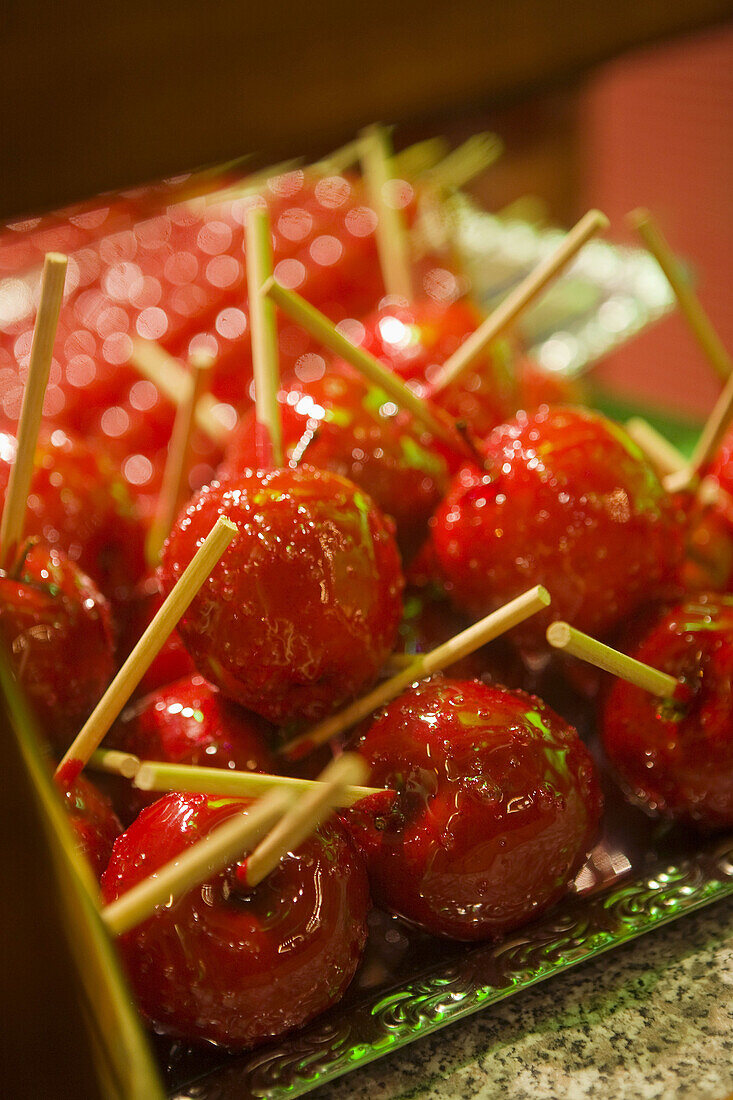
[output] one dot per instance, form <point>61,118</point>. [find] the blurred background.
<point>614,106</point>
<point>657,131</point>
<point>652,128</point>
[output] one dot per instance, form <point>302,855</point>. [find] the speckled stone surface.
<point>652,1020</point>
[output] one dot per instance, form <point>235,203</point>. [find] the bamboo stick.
<point>114,762</point>
<point>136,665</point>
<point>424,664</point>
<point>153,775</point>
<point>174,382</point>
<point>465,163</point>
<point>221,847</point>
<point>265,356</point>
<point>711,437</point>
<point>690,307</point>
<point>305,815</point>
<point>563,636</point>
<point>518,299</point>
<point>663,455</point>
<point>321,329</point>
<point>391,234</point>
<point>21,471</point>
<point>178,460</point>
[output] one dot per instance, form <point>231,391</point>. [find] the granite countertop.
<point>652,1020</point>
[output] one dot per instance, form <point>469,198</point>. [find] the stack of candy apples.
<point>307,688</point>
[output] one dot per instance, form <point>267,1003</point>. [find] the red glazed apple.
<point>190,722</point>
<point>537,386</point>
<point>567,501</point>
<point>56,626</point>
<point>497,806</point>
<point>78,505</point>
<point>676,759</point>
<point>232,965</point>
<point>95,824</point>
<point>416,340</point>
<point>304,605</point>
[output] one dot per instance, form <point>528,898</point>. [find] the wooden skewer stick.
<point>397,661</point>
<point>134,668</point>
<point>178,461</point>
<point>424,664</point>
<point>518,299</point>
<point>21,472</point>
<point>408,164</point>
<point>321,329</point>
<point>339,160</point>
<point>265,357</point>
<point>563,636</point>
<point>413,162</point>
<point>663,455</point>
<point>690,307</point>
<point>465,163</point>
<point>711,437</point>
<point>711,493</point>
<point>432,229</point>
<point>160,776</point>
<point>306,814</point>
<point>527,208</point>
<point>174,382</point>
<point>391,234</point>
<point>113,762</point>
<point>251,185</point>
<point>222,846</point>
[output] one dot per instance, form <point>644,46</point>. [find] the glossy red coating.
<point>567,501</point>
<point>236,966</point>
<point>338,422</point>
<point>133,434</point>
<point>77,504</point>
<point>498,804</point>
<point>95,824</point>
<point>304,605</point>
<point>708,562</point>
<point>67,773</point>
<point>672,759</point>
<point>191,722</point>
<point>416,340</point>
<point>57,629</point>
<point>323,230</point>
